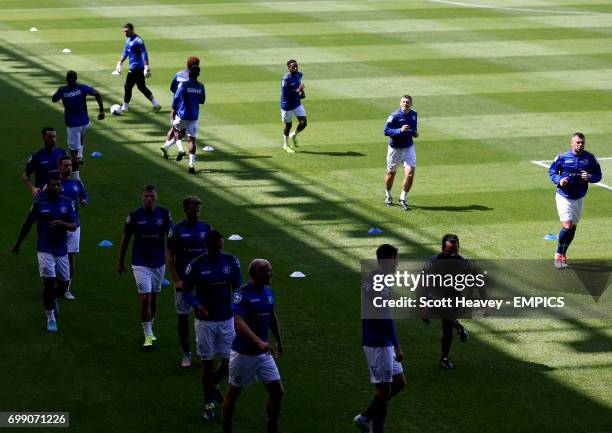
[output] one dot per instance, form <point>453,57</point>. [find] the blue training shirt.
<point>179,77</point>
<point>377,332</point>
<point>43,211</point>
<point>74,98</point>
<point>186,241</point>
<point>214,281</point>
<point>75,190</point>
<point>569,165</point>
<point>290,98</point>
<point>395,121</point>
<point>255,306</point>
<point>149,229</point>
<point>136,51</point>
<point>188,98</point>
<point>44,165</point>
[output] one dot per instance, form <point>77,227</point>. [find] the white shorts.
<point>395,157</point>
<point>182,306</point>
<point>149,279</point>
<point>243,369</point>
<point>74,136</point>
<point>73,240</point>
<point>190,126</point>
<point>287,116</point>
<point>214,338</point>
<point>382,364</point>
<point>50,266</point>
<point>568,209</point>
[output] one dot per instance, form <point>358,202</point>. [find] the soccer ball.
<point>116,110</point>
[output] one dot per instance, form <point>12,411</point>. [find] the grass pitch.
<point>495,86</point>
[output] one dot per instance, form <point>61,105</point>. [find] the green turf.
<point>495,89</point>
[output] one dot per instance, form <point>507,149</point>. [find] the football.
<point>116,110</point>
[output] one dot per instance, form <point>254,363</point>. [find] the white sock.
<point>125,106</point>
<point>76,175</point>
<point>388,194</point>
<point>154,102</point>
<point>50,315</point>
<point>179,145</point>
<point>192,159</point>
<point>293,134</point>
<point>404,195</point>
<point>168,144</point>
<point>286,140</point>
<point>80,152</point>
<point>147,327</point>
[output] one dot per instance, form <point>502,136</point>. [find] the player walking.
<point>43,163</point>
<point>292,93</point>
<point>149,225</point>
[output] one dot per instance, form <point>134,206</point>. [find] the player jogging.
<point>185,243</point>
<point>189,96</point>
<point>251,355</point>
<point>572,171</point>
<point>179,77</point>
<point>43,163</point>
<point>74,190</point>
<point>54,215</point>
<point>214,275</point>
<point>382,351</point>
<point>149,225</point>
<point>139,68</point>
<point>74,98</point>
<point>292,93</point>
<point>401,128</point>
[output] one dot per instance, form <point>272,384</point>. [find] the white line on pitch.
<point>549,11</point>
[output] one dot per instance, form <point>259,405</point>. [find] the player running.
<point>74,190</point>
<point>55,216</point>
<point>572,171</point>
<point>149,225</point>
<point>185,243</point>
<point>382,351</point>
<point>74,98</point>
<point>43,163</point>
<point>401,128</point>
<point>139,68</point>
<point>251,355</point>
<point>292,93</point>
<point>189,96</point>
<point>214,276</point>
<point>179,77</point>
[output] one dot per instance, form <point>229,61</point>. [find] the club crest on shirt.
<point>159,221</point>
<point>188,269</point>
<point>227,270</point>
<point>63,209</point>
<point>202,235</point>
<point>270,300</point>
<point>237,297</point>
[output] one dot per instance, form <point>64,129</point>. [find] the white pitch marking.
<point>546,163</point>
<point>549,11</point>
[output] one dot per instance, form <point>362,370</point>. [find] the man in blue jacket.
<point>401,128</point>
<point>572,171</point>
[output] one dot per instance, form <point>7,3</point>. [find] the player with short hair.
<point>43,163</point>
<point>138,69</point>
<point>74,97</point>
<point>213,275</point>
<point>401,128</point>
<point>149,225</point>
<point>74,190</point>
<point>185,243</point>
<point>179,77</point>
<point>189,96</point>
<point>251,355</point>
<point>572,171</point>
<point>55,216</point>
<point>382,351</point>
<point>292,93</point>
